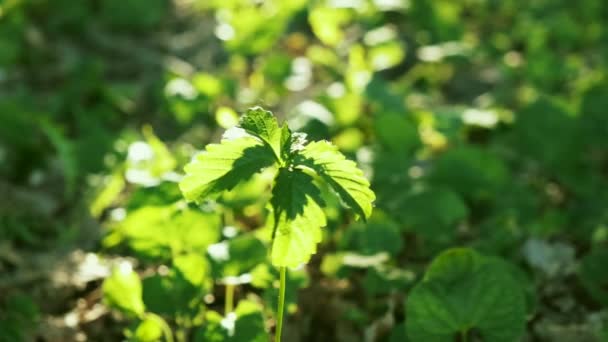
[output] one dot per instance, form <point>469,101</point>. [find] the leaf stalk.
<point>277,336</point>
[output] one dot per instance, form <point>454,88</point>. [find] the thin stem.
<point>164,326</point>
<point>464,335</point>
<point>277,335</point>
<point>229,300</point>
<point>228,217</point>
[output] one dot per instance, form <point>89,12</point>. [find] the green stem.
<point>164,326</point>
<point>464,335</point>
<point>229,300</point>
<point>228,217</point>
<point>277,335</point>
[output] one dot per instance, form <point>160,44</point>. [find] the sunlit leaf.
<point>163,159</point>
<point>262,124</point>
<point>222,166</point>
<point>112,186</point>
<point>122,290</point>
<point>298,218</point>
<point>149,330</point>
<point>164,231</point>
<point>386,55</point>
<point>327,22</point>
<point>341,174</point>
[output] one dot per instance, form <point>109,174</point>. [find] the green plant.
<point>296,204</point>
<point>464,293</point>
<point>123,291</point>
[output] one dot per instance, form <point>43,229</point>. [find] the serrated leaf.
<point>298,218</point>
<point>341,174</point>
<point>222,166</point>
<point>464,291</point>
<point>262,124</point>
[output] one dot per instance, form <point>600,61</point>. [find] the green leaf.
<point>327,22</point>
<point>386,55</point>
<point>298,218</point>
<point>245,324</point>
<point>222,166</point>
<point>398,333</point>
<point>251,191</point>
<point>433,213</point>
<point>149,330</point>
<point>341,174</point>
<point>556,150</point>
<point>112,187</point>
<point>464,291</point>
<point>593,275</point>
<point>193,268</point>
<point>66,153</point>
<point>396,133</point>
<point>179,292</point>
<point>138,15</point>
<point>19,318</point>
<point>474,172</point>
<point>376,236</point>
<point>212,331</point>
<point>386,279</point>
<point>594,120</point>
<point>262,124</point>
<point>249,325</point>
<point>244,253</point>
<point>163,160</point>
<point>122,290</point>
<point>164,231</point>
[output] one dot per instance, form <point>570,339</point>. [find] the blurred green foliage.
<point>480,124</point>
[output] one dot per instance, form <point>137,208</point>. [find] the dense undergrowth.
<point>482,126</point>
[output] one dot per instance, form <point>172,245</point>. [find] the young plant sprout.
<point>296,202</point>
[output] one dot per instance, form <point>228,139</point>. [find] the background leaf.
<point>123,290</point>
<point>462,293</point>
